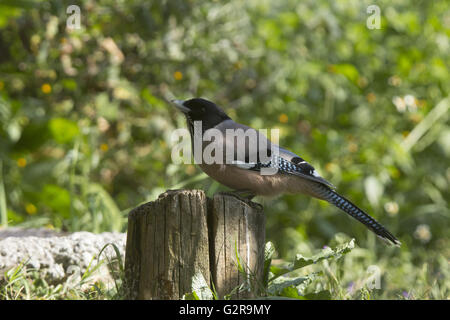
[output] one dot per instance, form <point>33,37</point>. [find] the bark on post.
<point>237,239</point>
<point>182,233</point>
<point>167,243</point>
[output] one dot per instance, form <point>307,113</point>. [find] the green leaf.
<point>321,295</point>
<point>348,70</point>
<point>153,101</point>
<point>200,289</point>
<point>69,84</point>
<point>290,292</point>
<point>190,296</point>
<point>111,213</point>
<point>269,250</point>
<point>33,136</point>
<point>63,130</point>
<point>279,284</point>
<point>57,198</point>
<point>301,261</point>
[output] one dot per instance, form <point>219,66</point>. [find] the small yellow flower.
<point>421,103</point>
<point>190,169</point>
<point>423,233</point>
<point>104,147</point>
<point>371,97</point>
<point>2,85</point>
<point>250,83</point>
<point>352,147</point>
<point>283,118</point>
<point>21,162</point>
<point>178,75</point>
<point>362,82</point>
<point>395,81</point>
<point>415,117</point>
<point>46,88</point>
<point>330,167</point>
<point>30,208</point>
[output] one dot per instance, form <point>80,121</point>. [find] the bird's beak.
<point>180,106</point>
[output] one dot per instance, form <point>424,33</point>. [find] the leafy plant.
<point>279,284</point>
<point>276,283</point>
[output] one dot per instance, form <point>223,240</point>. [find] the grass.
<point>346,272</point>
<point>22,283</point>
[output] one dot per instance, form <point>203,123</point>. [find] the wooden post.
<point>183,233</point>
<point>237,238</point>
<point>167,243</point>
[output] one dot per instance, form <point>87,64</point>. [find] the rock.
<point>55,255</point>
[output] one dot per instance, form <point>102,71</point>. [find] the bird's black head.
<point>198,109</point>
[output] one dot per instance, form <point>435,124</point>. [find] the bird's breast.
<point>265,185</point>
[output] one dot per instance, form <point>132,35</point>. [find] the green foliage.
<point>276,282</point>
<point>85,122</point>
<point>63,130</point>
<point>300,261</point>
<point>116,269</point>
<point>279,284</point>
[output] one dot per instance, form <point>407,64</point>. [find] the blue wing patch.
<point>297,166</point>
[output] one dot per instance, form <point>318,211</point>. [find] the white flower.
<point>410,101</point>
<point>391,208</point>
<point>399,104</point>
<point>423,233</point>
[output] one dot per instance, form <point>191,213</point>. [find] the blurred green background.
<point>85,121</point>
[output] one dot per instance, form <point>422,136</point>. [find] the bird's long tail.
<point>348,207</point>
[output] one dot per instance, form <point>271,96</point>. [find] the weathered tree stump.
<point>184,233</point>
<point>237,238</point>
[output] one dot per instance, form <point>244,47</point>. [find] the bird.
<point>243,170</point>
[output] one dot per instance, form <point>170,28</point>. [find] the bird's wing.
<point>290,163</point>
<point>285,161</point>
